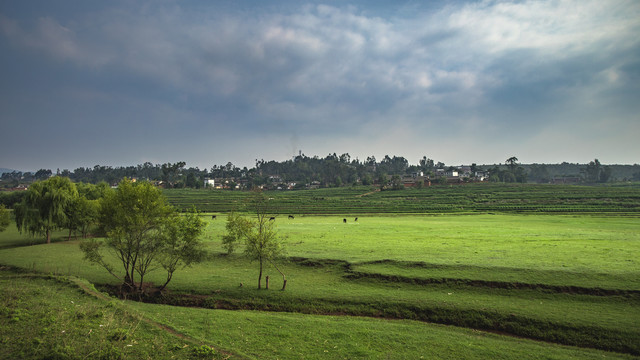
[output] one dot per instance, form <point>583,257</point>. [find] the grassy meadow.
<point>390,285</point>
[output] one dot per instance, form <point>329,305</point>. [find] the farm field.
<point>570,279</point>
<point>482,197</point>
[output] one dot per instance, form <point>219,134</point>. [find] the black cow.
<point>344,221</point>
<point>356,220</point>
<point>213,217</point>
<point>291,217</point>
<point>272,218</point>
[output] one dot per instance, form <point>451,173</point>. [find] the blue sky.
<point>125,82</point>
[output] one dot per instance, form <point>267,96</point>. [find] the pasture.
<point>568,279</point>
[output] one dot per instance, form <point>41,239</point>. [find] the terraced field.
<point>486,197</point>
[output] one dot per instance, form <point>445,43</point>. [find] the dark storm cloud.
<point>209,83</point>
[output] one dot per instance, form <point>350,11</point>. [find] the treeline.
<point>331,170</point>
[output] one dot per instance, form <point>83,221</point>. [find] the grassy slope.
<point>46,317</point>
<point>295,336</point>
<point>88,327</point>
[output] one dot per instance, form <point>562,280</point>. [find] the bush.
<point>203,351</point>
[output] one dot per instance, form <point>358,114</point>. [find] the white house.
<point>209,183</point>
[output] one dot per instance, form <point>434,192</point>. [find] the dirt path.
<point>369,193</point>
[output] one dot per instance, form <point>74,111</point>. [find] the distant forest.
<point>332,170</point>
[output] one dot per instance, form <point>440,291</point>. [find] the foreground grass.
<point>607,322</point>
<point>296,336</point>
<point>51,318</point>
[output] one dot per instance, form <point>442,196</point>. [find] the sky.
<point>124,82</point>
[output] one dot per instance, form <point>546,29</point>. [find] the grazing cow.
<point>356,220</point>
<point>344,221</point>
<point>291,217</point>
<point>272,218</point>
<point>213,217</point>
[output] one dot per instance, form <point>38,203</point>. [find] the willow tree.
<point>43,208</point>
<point>5,218</point>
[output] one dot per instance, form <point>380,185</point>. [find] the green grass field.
<point>85,326</point>
<point>570,278</point>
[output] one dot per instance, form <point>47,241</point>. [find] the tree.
<point>396,183</point>
<point>170,172</point>
<point>5,218</point>
<point>595,172</point>
<point>182,246</point>
<point>133,217</point>
<point>508,177</point>
<point>539,173</point>
<point>82,214</point>
<point>260,237</point>
<point>605,174</point>
<point>512,162</point>
<point>43,174</point>
<point>43,208</point>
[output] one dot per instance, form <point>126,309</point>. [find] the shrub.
<point>203,351</point>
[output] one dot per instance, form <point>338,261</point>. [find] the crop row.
<point>481,197</point>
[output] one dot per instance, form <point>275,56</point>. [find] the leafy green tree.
<point>539,173</point>
<point>91,191</point>
<point>592,171</point>
<point>5,218</point>
<point>191,181</point>
<point>82,214</point>
<point>382,180</point>
<point>396,183</point>
<point>133,217</point>
<point>508,177</point>
<point>605,174</point>
<point>43,174</point>
<point>182,245</point>
<point>43,208</point>
<point>259,235</point>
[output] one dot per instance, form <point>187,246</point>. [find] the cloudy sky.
<point>207,82</point>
